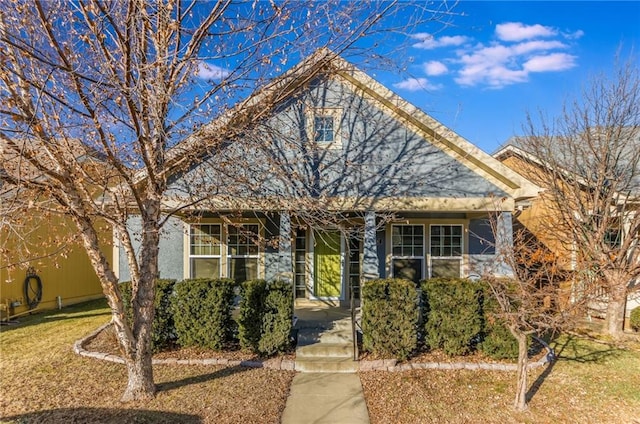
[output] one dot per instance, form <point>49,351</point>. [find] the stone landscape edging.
<point>273,363</point>
<point>289,364</point>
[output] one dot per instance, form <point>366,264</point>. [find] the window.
<point>204,250</point>
<point>300,263</point>
<point>243,252</point>
<point>323,129</point>
<point>446,251</point>
<point>407,247</point>
<point>354,266</point>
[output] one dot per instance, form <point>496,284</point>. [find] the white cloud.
<point>574,35</point>
<point>550,63</point>
<point>428,41</point>
<point>534,46</point>
<point>499,65</point>
<point>517,31</point>
<point>516,51</point>
<point>435,67</point>
<point>207,71</point>
<point>415,84</point>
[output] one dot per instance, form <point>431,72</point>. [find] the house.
<point>341,179</point>
<point>542,219</point>
<point>42,262</point>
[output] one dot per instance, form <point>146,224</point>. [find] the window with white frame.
<point>300,263</point>
<point>407,252</point>
<point>446,251</point>
<point>323,126</point>
<point>323,129</point>
<point>243,251</point>
<point>205,250</point>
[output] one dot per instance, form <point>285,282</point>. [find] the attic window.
<point>324,127</point>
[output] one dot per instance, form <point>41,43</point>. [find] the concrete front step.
<point>326,365</point>
<point>306,337</point>
<point>325,350</point>
<point>333,338</point>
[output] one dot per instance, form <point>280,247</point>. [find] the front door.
<point>327,265</point>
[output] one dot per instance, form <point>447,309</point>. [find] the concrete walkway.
<point>327,391</point>
<point>326,398</point>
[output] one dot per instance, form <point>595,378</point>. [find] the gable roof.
<point>326,62</point>
<point>516,147</point>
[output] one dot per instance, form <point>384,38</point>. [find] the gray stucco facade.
<point>414,199</point>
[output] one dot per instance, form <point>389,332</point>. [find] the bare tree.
<point>95,94</point>
<point>588,162</point>
<point>534,301</point>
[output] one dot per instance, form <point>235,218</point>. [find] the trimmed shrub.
<point>164,331</point>
<point>277,318</point>
<point>390,317</point>
<point>253,293</point>
<point>265,319</point>
<point>202,312</point>
<point>634,319</point>
<point>453,314</point>
<point>497,341</point>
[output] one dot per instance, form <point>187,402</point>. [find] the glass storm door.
<point>327,265</point>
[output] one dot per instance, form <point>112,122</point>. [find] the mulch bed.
<point>106,342</point>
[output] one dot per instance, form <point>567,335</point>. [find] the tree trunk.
<point>615,314</point>
<point>140,383</point>
<point>617,282</point>
<point>134,337</point>
<point>139,365</point>
<point>520,402</point>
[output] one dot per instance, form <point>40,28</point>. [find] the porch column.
<point>285,264</point>
<point>504,242</point>
<point>370,248</point>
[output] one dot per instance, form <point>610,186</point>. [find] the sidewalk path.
<point>326,398</point>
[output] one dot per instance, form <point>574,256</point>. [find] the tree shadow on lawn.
<point>567,349</point>
<point>102,416</point>
<point>203,378</point>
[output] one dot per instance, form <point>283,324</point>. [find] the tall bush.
<point>390,317</point>
<point>202,312</point>
<point>277,318</point>
<point>265,319</point>
<point>163,329</point>
<point>453,314</point>
<point>253,294</point>
<point>497,340</point>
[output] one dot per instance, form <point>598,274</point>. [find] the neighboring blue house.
<point>345,181</point>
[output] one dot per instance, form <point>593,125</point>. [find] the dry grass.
<point>43,381</point>
<point>590,383</point>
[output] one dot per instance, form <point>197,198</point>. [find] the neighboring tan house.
<point>42,263</point>
<point>342,180</point>
<point>538,217</point>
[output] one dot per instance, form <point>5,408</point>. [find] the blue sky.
<point>497,60</point>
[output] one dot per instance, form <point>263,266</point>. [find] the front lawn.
<point>590,383</point>
<point>44,381</point>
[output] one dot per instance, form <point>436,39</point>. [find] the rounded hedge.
<point>453,314</point>
<point>390,317</point>
<point>202,312</point>
<point>164,331</point>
